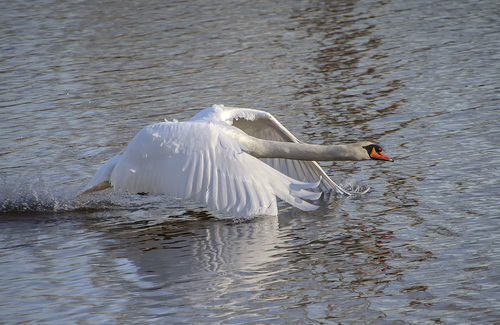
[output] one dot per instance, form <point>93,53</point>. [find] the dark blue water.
<point>79,79</point>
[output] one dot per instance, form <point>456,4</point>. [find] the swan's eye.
<point>373,146</point>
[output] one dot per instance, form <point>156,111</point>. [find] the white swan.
<point>234,160</point>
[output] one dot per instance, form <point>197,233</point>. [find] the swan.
<point>237,161</point>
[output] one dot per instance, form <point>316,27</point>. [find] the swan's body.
<point>235,160</point>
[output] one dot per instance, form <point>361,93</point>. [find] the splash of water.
<point>25,196</point>
<point>355,186</point>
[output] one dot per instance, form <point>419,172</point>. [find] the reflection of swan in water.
<point>206,247</point>
<point>213,159</point>
<point>194,246</point>
<point>199,258</point>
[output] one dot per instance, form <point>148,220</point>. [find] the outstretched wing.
<point>198,161</point>
<point>263,125</point>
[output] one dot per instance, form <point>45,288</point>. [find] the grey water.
<point>80,78</point>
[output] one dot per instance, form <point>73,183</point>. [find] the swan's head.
<point>374,151</point>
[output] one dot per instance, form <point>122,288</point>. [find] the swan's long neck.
<point>275,149</point>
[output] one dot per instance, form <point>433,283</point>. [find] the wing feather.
<point>222,191</point>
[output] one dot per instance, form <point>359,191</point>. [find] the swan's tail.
<point>101,179</point>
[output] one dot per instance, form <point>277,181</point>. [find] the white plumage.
<point>209,160</point>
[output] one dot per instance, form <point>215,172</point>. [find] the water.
<point>79,79</point>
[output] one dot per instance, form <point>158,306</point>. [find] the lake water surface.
<point>80,79</point>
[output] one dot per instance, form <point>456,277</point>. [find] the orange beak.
<point>379,156</point>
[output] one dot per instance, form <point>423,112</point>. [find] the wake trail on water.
<point>26,196</point>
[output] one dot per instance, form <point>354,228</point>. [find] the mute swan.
<point>234,160</point>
